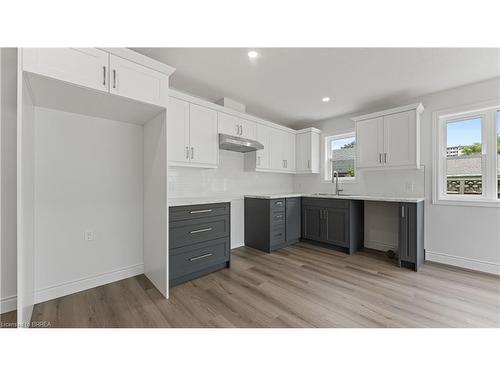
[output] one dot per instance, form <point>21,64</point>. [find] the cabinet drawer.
<point>277,205</point>
<point>277,217</point>
<point>188,232</point>
<point>326,202</point>
<point>278,235</point>
<point>197,257</point>
<point>198,211</point>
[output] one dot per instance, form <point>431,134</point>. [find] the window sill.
<point>467,202</point>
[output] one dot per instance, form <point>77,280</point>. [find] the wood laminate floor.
<point>299,286</point>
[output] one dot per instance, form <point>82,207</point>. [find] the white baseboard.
<point>8,304</point>
<point>237,245</point>
<point>376,245</point>
<point>457,261</point>
<point>71,287</point>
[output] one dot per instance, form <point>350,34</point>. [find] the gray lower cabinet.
<point>271,224</point>
<point>411,235</point>
<point>337,222</point>
<point>199,240</point>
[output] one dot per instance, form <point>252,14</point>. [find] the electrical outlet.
<point>89,235</point>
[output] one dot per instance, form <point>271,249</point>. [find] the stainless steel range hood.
<point>232,143</point>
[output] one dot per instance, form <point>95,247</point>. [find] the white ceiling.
<point>286,85</point>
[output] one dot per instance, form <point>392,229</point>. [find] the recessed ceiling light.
<point>253,54</point>
<point>326,99</point>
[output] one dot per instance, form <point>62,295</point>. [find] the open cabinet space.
<point>92,179</point>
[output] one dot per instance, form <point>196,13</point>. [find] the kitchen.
<point>177,197</point>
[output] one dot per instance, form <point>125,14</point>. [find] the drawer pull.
<point>200,230</point>
<point>200,211</point>
<point>279,203</point>
<point>200,257</point>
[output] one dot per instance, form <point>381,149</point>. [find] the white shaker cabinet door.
<point>86,67</point>
<point>229,124</point>
<point>369,142</point>
<point>137,82</point>
<point>277,162</point>
<point>400,139</point>
<point>263,156</point>
<point>203,135</point>
<point>178,131</point>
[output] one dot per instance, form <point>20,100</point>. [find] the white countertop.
<point>186,201</point>
<point>329,196</point>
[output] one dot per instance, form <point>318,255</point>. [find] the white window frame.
<point>327,155</point>
<point>487,111</point>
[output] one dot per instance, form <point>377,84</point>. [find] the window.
<point>340,156</point>
<point>467,161</point>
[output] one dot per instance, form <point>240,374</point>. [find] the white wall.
<point>8,135</point>
<point>88,176</point>
<point>463,236</point>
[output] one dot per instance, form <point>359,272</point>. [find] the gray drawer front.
<point>188,232</point>
<point>197,257</point>
<point>198,211</point>
<point>326,202</point>
<point>277,205</point>
<point>278,217</point>
<point>278,235</point>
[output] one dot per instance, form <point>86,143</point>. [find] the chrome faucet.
<point>335,180</point>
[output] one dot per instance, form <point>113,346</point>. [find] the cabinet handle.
<point>241,129</point>
<point>385,157</point>
<point>308,164</point>
<point>200,230</point>
<point>258,160</point>
<point>192,152</point>
<point>104,75</point>
<point>200,211</point>
<point>114,78</point>
<point>380,158</point>
<point>200,257</point>
<point>402,211</point>
<point>187,152</point>
<point>279,203</point>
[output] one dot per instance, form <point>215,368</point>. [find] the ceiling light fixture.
<point>326,99</point>
<point>253,54</point>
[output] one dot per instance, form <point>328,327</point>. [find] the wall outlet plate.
<point>89,235</point>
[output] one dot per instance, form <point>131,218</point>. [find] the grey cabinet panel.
<point>270,224</point>
<point>199,240</point>
<point>336,227</point>
<point>198,211</point>
<point>293,219</point>
<point>193,258</point>
<point>336,222</point>
<point>187,232</point>
<point>311,222</point>
<point>411,235</point>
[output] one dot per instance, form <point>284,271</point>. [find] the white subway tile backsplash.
<point>229,178</point>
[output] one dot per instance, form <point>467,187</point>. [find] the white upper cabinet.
<point>389,138</point>
<point>203,136</point>
<point>308,151</point>
<point>178,130</point>
<point>369,142</point>
<point>236,126</point>
<point>81,66</point>
<point>400,139</point>
<point>100,70</point>
<point>263,156</point>
<point>137,82</point>
<point>192,135</point>
<point>282,150</point>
